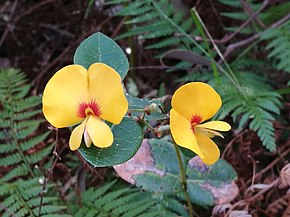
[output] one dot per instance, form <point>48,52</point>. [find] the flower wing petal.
<point>62,95</point>
<point>209,149</point>
<point>99,132</point>
<point>207,132</point>
<point>76,136</point>
<point>196,98</point>
<point>182,133</point>
<point>106,88</point>
<point>215,125</point>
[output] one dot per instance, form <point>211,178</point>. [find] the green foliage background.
<point>243,84</point>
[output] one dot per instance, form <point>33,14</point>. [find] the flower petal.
<point>87,138</point>
<point>76,136</point>
<point>99,132</point>
<point>62,95</point>
<point>196,98</point>
<point>182,133</point>
<point>215,125</point>
<point>106,88</point>
<point>209,149</point>
<point>207,132</point>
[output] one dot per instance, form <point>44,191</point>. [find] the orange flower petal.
<point>209,149</point>
<point>62,95</point>
<point>99,132</point>
<point>106,88</point>
<point>182,133</point>
<point>196,98</point>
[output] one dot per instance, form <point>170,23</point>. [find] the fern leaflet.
<point>18,122</point>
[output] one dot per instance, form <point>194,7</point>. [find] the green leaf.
<point>128,136</point>
<point>100,48</point>
<point>205,183</point>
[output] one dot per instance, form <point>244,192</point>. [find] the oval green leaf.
<point>100,48</point>
<point>156,169</point>
<point>128,136</point>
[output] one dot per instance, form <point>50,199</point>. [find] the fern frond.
<point>167,42</point>
<point>22,198</point>
<point>19,171</point>
<point>143,18</point>
<point>147,23</point>
<point>18,121</point>
<point>135,8</point>
<point>238,13</point>
<point>257,105</point>
<point>129,202</point>
<point>279,46</point>
<point>235,15</point>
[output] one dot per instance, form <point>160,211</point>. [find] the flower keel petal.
<point>87,138</point>
<point>182,133</point>
<point>99,132</point>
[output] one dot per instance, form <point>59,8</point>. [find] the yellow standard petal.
<point>99,132</point>
<point>106,88</point>
<point>209,149</point>
<point>196,98</point>
<point>76,136</point>
<point>216,125</point>
<point>182,133</point>
<point>62,95</point>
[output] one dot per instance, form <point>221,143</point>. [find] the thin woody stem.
<point>136,110</point>
<point>148,125</point>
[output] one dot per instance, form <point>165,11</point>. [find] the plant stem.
<point>148,125</point>
<point>163,128</point>
<point>228,73</point>
<point>136,110</point>
<point>183,179</point>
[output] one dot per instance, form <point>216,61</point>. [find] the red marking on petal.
<point>91,108</point>
<point>195,119</point>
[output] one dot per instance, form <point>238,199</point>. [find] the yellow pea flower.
<point>77,95</point>
<point>192,104</point>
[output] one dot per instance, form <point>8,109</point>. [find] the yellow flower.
<point>192,104</point>
<point>76,95</point>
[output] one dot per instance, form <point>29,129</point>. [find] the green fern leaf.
<point>19,123</point>
<point>147,23</point>
<point>23,199</point>
<point>279,46</point>
<point>143,18</point>
<point>105,201</point>
<point>256,105</point>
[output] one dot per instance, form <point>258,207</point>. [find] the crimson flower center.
<point>195,119</point>
<point>91,108</point>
